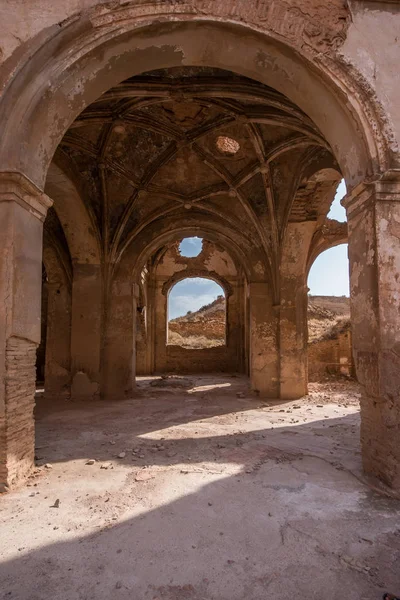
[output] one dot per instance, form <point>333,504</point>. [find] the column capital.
<point>16,187</point>
<point>384,187</point>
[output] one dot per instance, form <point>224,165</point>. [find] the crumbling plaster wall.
<point>330,357</point>
<point>213,262</point>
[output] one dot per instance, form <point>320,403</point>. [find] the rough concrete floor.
<point>214,496</point>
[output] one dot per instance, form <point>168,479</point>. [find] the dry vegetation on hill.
<point>205,328</point>
<point>327,316</point>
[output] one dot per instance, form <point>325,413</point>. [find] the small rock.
<point>144,475</point>
<point>112,443</point>
<point>106,466</point>
<point>91,461</point>
<point>56,504</point>
<point>48,466</point>
<point>122,455</point>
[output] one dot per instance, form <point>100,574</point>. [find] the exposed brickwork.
<point>17,424</point>
<point>330,356</point>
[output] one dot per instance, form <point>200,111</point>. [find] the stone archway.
<point>92,53</point>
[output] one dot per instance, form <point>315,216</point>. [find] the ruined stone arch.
<point>190,274</point>
<point>294,48</point>
<point>169,233</point>
<point>332,233</point>
<point>87,54</point>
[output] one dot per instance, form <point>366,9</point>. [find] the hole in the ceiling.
<point>119,129</point>
<point>226,145</point>
<point>190,247</point>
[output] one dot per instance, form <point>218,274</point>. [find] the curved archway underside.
<point>147,151</point>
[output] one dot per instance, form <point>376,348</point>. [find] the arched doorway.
<point>196,314</point>
<point>337,136</point>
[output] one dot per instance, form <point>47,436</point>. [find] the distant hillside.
<point>203,328</point>
<point>327,315</point>
<point>215,309</point>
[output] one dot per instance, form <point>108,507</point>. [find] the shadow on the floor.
<point>278,527</point>
<point>102,430</point>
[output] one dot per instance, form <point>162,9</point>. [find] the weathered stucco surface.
<point>117,110</point>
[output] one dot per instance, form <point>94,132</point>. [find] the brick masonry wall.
<point>17,423</point>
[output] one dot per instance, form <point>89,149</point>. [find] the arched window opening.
<point>191,247</point>
<point>196,314</point>
<point>337,211</point>
<point>329,327</point>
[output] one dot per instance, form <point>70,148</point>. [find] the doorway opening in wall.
<point>196,314</point>
<point>329,327</point>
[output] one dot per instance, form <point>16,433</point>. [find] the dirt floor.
<point>198,490</point>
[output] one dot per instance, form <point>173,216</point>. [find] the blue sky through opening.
<point>329,275</point>
<point>192,294</point>
<point>191,246</point>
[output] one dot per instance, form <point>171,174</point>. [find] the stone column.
<point>293,337</point>
<point>264,356</point>
<point>86,332</point>
<point>159,325</point>
<point>58,340</point>
<point>23,209</point>
<point>373,212</point>
<point>119,354</point>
